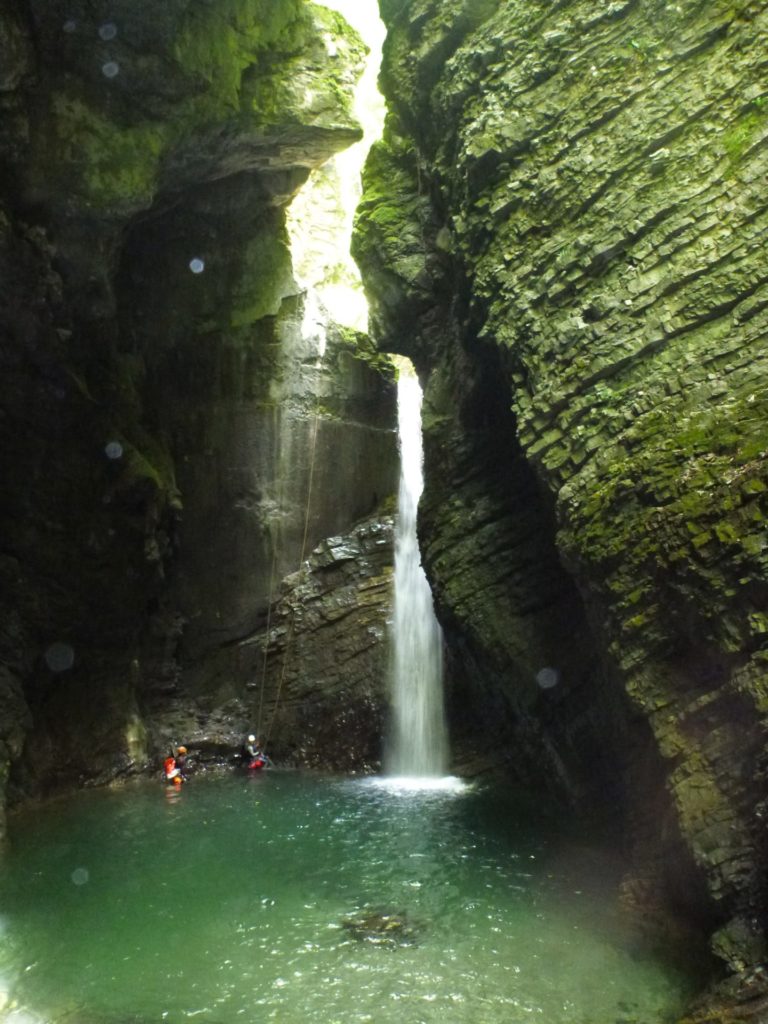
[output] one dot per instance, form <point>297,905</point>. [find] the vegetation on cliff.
<point>595,181</point>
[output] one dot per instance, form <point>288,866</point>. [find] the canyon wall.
<point>180,423</point>
<point>564,227</point>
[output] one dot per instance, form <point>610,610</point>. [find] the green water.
<point>224,902</point>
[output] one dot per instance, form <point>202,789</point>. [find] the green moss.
<point>363,348</point>
<point>150,469</point>
<point>393,220</point>
<point>754,487</point>
<point>109,164</point>
<point>638,621</point>
<point>265,278</point>
<point>687,475</point>
<point>253,56</point>
<point>218,42</point>
<point>738,139</point>
<point>758,623</point>
<point>246,64</point>
<point>702,538</point>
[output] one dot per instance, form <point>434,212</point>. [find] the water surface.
<point>226,902</point>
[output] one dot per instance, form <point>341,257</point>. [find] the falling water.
<point>418,743</point>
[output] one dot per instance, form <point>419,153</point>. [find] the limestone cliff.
<point>564,228</point>
<point>170,428</point>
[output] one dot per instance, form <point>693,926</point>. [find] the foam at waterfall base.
<point>419,783</point>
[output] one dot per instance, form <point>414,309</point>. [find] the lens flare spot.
<point>114,450</point>
<point>69,26</point>
<point>80,876</point>
<point>108,30</point>
<point>59,657</point>
<point>547,678</point>
<point>197,266</point>
<point>110,69</point>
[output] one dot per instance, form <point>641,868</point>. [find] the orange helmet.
<point>181,750</point>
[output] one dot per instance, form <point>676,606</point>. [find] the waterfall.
<point>418,740</point>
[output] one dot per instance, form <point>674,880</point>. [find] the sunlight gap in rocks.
<point>320,217</point>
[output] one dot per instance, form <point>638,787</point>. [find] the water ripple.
<point>237,904</point>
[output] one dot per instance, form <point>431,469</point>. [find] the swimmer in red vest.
<point>172,773</point>
<point>173,767</point>
<point>254,754</point>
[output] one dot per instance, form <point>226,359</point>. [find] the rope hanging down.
<point>272,575</point>
<point>291,622</point>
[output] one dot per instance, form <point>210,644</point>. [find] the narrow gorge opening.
<point>320,217</point>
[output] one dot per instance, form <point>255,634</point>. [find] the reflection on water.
<point>230,899</point>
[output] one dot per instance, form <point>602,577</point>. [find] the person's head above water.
<point>181,750</point>
<point>251,738</point>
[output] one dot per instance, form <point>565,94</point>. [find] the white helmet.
<point>251,739</point>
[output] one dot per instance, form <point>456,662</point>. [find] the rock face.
<point>563,228</point>
<point>310,682</point>
<point>173,439</point>
<point>325,653</point>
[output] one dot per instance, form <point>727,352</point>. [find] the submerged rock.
<point>382,927</point>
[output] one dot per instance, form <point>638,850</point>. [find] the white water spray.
<point>418,743</point>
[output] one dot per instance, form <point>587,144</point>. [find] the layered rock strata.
<point>326,653</point>
<point>564,228</point>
